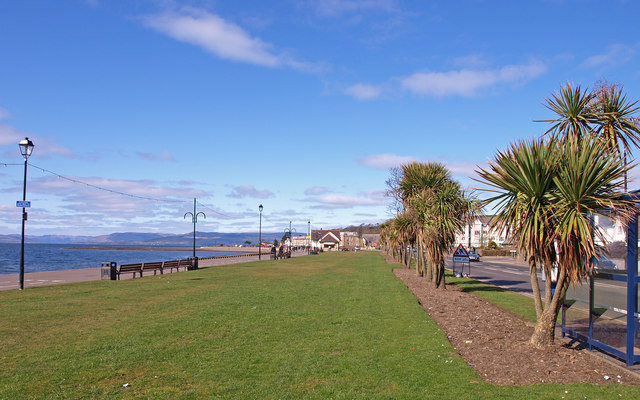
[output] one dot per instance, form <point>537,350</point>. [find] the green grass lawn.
<point>337,325</point>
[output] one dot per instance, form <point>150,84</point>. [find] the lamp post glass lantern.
<point>26,148</point>
<point>260,208</point>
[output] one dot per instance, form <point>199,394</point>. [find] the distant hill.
<point>149,239</point>
<point>362,228</point>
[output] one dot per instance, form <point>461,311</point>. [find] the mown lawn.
<point>337,325</point>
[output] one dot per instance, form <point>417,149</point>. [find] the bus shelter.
<point>602,312</point>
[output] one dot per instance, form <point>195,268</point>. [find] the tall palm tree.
<point>547,194</point>
<point>522,180</point>
<point>443,209</point>
<point>416,180</point>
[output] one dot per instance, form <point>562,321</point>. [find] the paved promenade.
<point>44,278</point>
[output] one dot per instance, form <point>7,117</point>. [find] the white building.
<point>479,234</point>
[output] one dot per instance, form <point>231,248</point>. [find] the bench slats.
<point>133,268</point>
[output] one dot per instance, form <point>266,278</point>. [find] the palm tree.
<point>616,125</point>
<point>547,194</point>
<point>443,210</point>
<point>418,179</point>
<point>576,116</point>
<point>440,208</point>
<point>522,178</point>
<point>405,231</point>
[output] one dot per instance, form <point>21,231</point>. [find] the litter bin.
<point>108,270</point>
<point>194,263</point>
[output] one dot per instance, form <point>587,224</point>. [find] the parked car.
<point>473,256</point>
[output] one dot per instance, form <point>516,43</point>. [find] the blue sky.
<point>302,106</point>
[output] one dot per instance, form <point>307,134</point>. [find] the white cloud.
<point>239,192</point>
<point>363,91</point>
<point>469,82</point>
<point>615,55</point>
<point>221,38</point>
<point>385,161</point>
<point>162,156</point>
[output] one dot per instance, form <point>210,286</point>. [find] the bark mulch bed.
<point>494,341</point>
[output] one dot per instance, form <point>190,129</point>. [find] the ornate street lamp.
<point>26,148</point>
<point>290,232</point>
<point>194,219</point>
<point>260,208</point>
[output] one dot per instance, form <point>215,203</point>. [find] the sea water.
<point>56,257</point>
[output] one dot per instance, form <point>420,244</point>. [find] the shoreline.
<point>47,278</point>
<point>226,249</point>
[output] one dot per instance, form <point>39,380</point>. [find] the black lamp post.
<point>194,218</point>
<point>260,208</point>
<point>290,232</point>
<point>26,147</point>
<point>309,241</point>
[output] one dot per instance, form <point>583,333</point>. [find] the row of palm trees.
<point>434,209</point>
<point>545,191</point>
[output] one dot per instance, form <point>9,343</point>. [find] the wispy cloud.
<point>469,82</point>
<point>363,91</point>
<point>333,201</point>
<point>221,38</point>
<point>240,192</point>
<point>45,146</point>
<point>385,161</point>
<point>162,156</point>
<point>317,190</point>
<point>616,54</point>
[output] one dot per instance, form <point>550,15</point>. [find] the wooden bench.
<point>170,265</point>
<point>153,266</point>
<point>185,263</point>
<point>126,268</point>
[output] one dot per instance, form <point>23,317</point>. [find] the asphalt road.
<point>505,272</point>
<point>513,274</point>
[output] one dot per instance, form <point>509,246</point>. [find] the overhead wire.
<point>106,189</point>
<point>91,185</point>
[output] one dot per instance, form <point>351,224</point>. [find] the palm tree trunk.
<point>535,285</point>
<point>439,280</point>
<point>544,331</point>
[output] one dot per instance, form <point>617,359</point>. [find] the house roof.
<point>326,235</point>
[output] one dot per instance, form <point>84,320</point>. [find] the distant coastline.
<point>226,249</point>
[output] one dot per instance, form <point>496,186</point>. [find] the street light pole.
<point>26,147</point>
<point>260,208</point>
<point>309,241</point>
<point>290,232</point>
<point>194,218</point>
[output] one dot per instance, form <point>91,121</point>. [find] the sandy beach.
<point>8,282</point>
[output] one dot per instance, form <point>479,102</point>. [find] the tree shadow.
<point>495,285</point>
